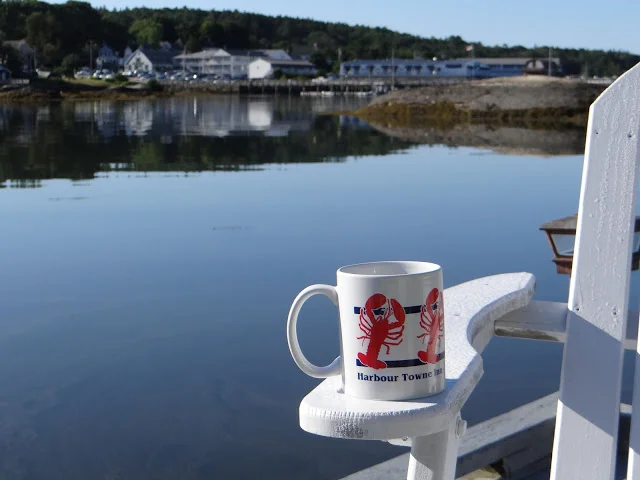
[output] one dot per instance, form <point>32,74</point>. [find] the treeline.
<point>59,31</point>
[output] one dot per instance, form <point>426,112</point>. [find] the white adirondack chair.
<point>593,326</point>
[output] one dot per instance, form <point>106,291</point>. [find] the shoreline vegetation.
<point>44,91</point>
<point>527,102</point>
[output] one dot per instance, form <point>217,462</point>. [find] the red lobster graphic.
<point>375,324</point>
<point>432,321</point>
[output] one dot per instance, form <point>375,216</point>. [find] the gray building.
<point>459,67</point>
<point>26,54</point>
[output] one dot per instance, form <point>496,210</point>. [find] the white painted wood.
<point>471,309</point>
<point>548,321</point>
<point>587,419</point>
<point>434,457</point>
<point>498,428</point>
<point>633,465</point>
<point>537,321</point>
<point>504,431</point>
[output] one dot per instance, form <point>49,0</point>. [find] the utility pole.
<point>90,43</point>
<point>393,69</point>
<point>473,62</point>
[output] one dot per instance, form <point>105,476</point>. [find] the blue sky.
<point>610,25</point>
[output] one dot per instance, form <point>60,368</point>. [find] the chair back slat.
<point>633,467</point>
<point>588,407</point>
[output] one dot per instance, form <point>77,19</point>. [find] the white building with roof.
<point>147,59</point>
<point>267,67</point>
<point>198,62</point>
<point>227,63</point>
<point>107,57</point>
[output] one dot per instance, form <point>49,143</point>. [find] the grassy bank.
<point>55,90</point>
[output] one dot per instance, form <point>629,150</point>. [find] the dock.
<point>329,87</point>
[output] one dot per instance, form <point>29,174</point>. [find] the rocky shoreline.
<point>538,102</point>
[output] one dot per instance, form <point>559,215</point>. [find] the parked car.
<point>84,72</point>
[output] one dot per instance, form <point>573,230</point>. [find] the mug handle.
<point>335,367</point>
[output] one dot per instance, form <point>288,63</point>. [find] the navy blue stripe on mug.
<point>414,362</point>
<point>407,310</point>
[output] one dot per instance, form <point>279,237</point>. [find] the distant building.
<point>273,54</point>
<point>5,75</point>
<point>266,68</point>
<point>26,54</point>
<point>417,68</point>
<point>227,62</point>
<point>107,57</point>
<point>148,60</point>
<point>198,62</point>
<point>540,66</point>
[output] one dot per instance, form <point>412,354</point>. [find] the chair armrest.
<point>471,309</point>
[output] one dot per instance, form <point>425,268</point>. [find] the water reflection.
<point>178,134</point>
<point>508,140</point>
<point>208,117</point>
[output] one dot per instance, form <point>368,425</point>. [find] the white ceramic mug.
<point>391,326</point>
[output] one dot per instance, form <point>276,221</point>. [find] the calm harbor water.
<point>151,250</point>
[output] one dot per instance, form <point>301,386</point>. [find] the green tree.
<point>43,35</point>
<point>147,31</point>
<point>212,32</point>
<point>70,64</point>
<point>193,44</point>
<point>320,62</point>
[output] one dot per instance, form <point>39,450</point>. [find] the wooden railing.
<point>592,324</point>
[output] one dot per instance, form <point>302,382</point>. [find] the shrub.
<point>68,65</point>
<point>154,85</point>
